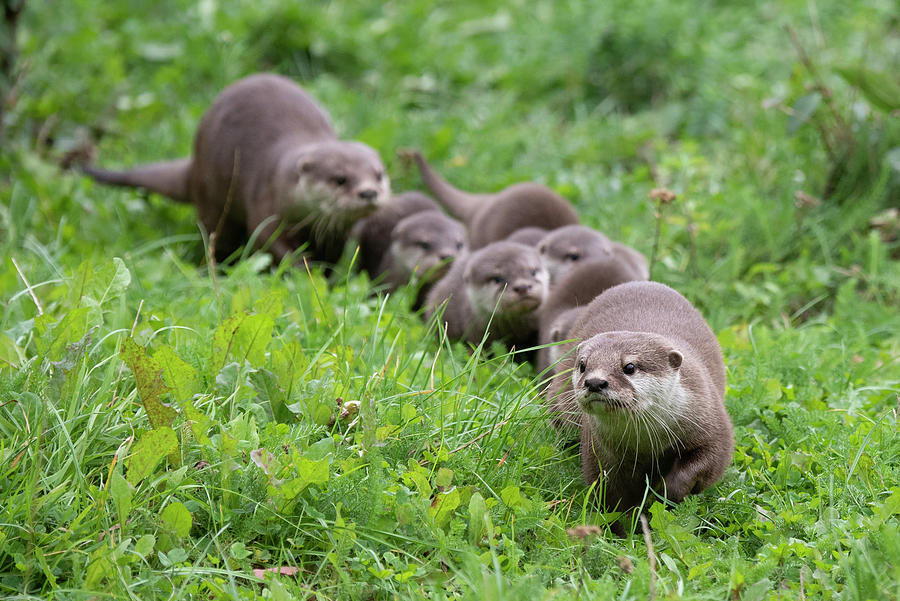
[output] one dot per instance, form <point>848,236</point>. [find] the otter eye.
<point>340,180</point>
<point>498,279</point>
<point>534,273</point>
<point>543,250</point>
<point>459,245</point>
<point>379,176</point>
<point>424,245</point>
<point>629,368</point>
<point>572,256</point>
<point>582,366</point>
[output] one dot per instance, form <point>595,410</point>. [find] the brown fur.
<point>579,286</point>
<point>267,153</point>
<point>678,379</point>
<point>501,284</point>
<point>493,217</point>
<point>565,247</point>
<point>528,235</point>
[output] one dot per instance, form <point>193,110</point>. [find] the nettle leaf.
<point>880,89</point>
<point>177,519</point>
<point>150,384</point>
<point>443,506</point>
<point>149,451</point>
<point>121,492</point>
<point>179,376</point>
<point>53,336</point>
<point>802,111</point>
<point>244,337</point>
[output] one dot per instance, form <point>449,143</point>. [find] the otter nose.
<point>368,194</point>
<point>595,384</point>
<point>445,256</point>
<point>522,287</point>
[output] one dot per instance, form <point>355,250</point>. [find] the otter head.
<point>342,180</point>
<point>425,243</point>
<point>617,373</point>
<point>565,247</point>
<point>506,276</point>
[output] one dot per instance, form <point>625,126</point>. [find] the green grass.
<point>448,483</point>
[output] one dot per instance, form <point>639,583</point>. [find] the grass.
<point>447,483</point>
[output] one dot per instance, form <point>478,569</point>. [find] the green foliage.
<point>166,431</point>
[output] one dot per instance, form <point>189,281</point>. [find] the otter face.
<point>342,180</point>
<point>506,276</point>
<point>425,243</point>
<point>629,372</point>
<point>565,247</point>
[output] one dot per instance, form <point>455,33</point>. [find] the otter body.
<point>649,380</point>
<point>493,217</point>
<point>266,160</point>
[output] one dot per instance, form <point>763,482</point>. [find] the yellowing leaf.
<point>148,377</point>
<point>149,451</point>
<point>177,519</point>
<point>179,376</point>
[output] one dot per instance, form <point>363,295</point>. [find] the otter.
<point>491,293</point>
<point>575,289</point>
<point>565,247</point>
<point>409,237</point>
<point>493,217</point>
<point>267,164</point>
<point>649,380</point>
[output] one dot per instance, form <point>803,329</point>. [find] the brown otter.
<point>565,247</point>
<point>649,380</point>
<point>266,160</point>
<point>409,237</point>
<point>493,217</point>
<point>575,289</point>
<point>501,284</point>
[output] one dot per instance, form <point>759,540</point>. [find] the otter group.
<point>635,372</point>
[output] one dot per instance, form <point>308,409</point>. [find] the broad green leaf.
<point>144,545</point>
<point>443,506</point>
<point>288,363</point>
<point>121,492</point>
<point>420,481</point>
<point>443,477</point>
<point>99,568</point>
<point>513,499</point>
<point>149,451</point>
<point>199,423</point>
<point>179,376</point>
<point>117,278</point>
<point>177,519</point>
<point>243,337</point>
<point>52,338</point>
<point>148,376</point>
<point>802,110</point>
<point>477,511</point>
<point>881,90</point>
<point>271,303</point>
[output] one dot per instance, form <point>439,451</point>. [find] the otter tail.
<point>460,204</point>
<point>169,178</point>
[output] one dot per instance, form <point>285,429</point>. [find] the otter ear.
<point>304,164</point>
<point>675,359</point>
